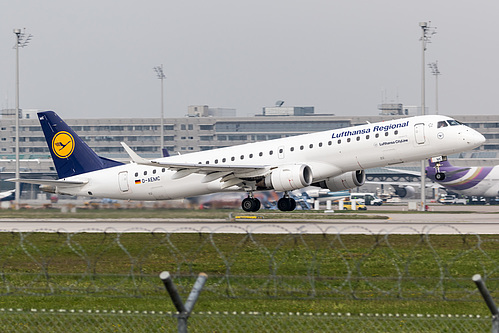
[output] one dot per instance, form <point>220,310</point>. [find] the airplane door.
<point>419,133</point>
<point>123,181</point>
<point>281,152</point>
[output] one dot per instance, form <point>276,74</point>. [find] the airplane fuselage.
<point>328,154</point>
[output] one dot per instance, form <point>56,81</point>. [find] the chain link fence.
<point>17,320</point>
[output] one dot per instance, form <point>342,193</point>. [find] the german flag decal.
<point>137,181</point>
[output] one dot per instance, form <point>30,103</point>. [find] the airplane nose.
<point>476,139</point>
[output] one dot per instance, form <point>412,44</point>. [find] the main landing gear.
<point>285,204</point>
<point>251,204</point>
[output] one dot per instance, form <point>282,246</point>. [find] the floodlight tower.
<point>427,32</point>
<point>161,76</point>
<point>434,70</point>
<point>21,41</point>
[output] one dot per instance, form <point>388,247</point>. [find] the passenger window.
<point>145,173</point>
<point>271,152</point>
<point>242,157</point>
<point>311,146</point>
<point>320,144</point>
<point>163,170</point>
<point>232,158</point>
<point>301,147</point>
<point>224,160</point>
<point>348,140</point>
<point>358,138</point>
<point>386,133</point>
<point>207,162</point>
<point>260,154</point>
<point>250,155</point>
<point>154,171</point>
<point>292,149</point>
<point>216,161</point>
<point>396,132</point>
<point>339,141</point>
<point>136,174</point>
<point>281,150</point>
<point>377,135</point>
<point>330,143</point>
<point>367,137</point>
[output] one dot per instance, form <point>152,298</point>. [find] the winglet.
<point>133,155</point>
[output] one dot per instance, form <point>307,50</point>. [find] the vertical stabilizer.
<point>70,154</point>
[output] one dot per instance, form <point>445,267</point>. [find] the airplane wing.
<point>409,172</point>
<point>413,184</point>
<point>230,174</point>
<point>417,173</point>
<point>51,182</point>
<point>6,194</point>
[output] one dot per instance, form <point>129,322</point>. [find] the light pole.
<point>434,70</point>
<point>427,32</point>
<point>21,41</point>
<point>161,76</point>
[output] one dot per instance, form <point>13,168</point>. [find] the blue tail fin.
<point>70,154</point>
<point>166,153</point>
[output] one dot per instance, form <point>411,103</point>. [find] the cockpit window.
<point>442,123</point>
<point>453,122</point>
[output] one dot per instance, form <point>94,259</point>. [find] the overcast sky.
<point>95,58</point>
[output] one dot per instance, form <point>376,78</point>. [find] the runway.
<point>397,223</point>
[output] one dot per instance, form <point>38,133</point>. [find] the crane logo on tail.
<point>63,144</point>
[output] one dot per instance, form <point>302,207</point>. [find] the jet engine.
<point>344,181</point>
<point>404,191</point>
<point>287,178</point>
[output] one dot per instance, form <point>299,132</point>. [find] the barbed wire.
<point>303,262</point>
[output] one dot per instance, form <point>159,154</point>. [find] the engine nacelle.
<point>47,188</point>
<point>405,191</point>
<point>344,181</point>
<point>288,178</point>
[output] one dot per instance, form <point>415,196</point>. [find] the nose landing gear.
<point>439,176</point>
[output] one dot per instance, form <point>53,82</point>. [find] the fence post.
<point>488,300</point>
<point>183,310</point>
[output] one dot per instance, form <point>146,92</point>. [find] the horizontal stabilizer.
<point>51,182</point>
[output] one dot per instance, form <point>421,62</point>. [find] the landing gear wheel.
<point>440,176</point>
<point>250,205</point>
<point>286,204</point>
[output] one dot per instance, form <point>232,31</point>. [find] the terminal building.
<point>203,128</point>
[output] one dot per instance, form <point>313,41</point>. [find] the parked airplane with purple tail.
<point>469,181</point>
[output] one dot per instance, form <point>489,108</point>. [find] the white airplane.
<point>7,195</point>
<point>334,159</point>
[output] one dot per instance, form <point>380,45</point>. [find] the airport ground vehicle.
<point>450,199</point>
<point>370,199</point>
<point>347,205</point>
